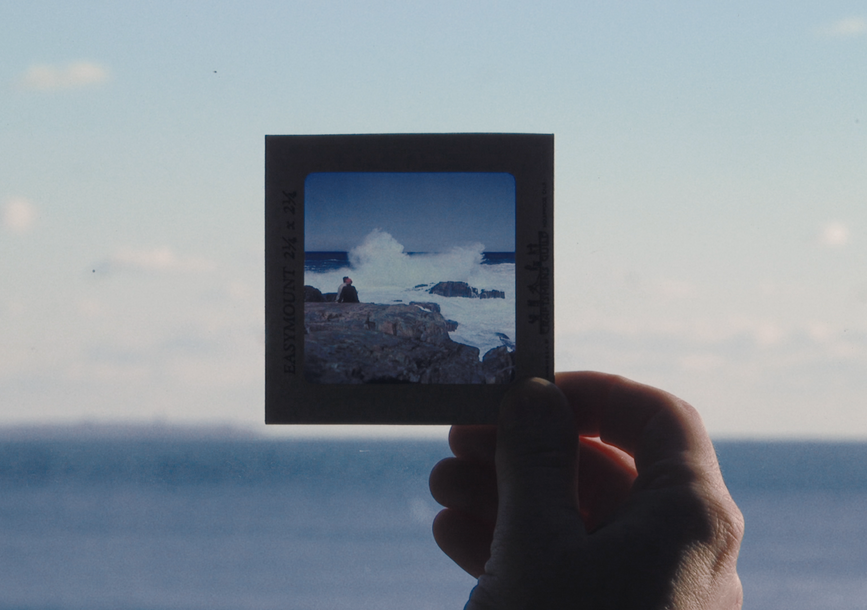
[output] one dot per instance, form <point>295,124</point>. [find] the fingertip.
<point>533,401</point>
<point>605,478</point>
<point>467,541</point>
<point>438,481</point>
<point>477,443</point>
<point>468,486</point>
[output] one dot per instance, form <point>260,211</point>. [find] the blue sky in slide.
<point>424,212</point>
<point>710,190</point>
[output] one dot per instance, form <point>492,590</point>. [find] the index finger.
<point>474,443</point>
<point>651,425</point>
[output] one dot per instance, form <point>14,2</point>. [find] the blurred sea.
<point>218,521</point>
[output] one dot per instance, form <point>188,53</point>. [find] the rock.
<point>462,289</point>
<point>330,297</point>
<point>455,289</point>
<point>452,325</point>
<point>313,295</point>
<point>407,321</point>
<point>498,365</point>
<point>492,294</point>
<point>372,343</point>
<point>359,356</point>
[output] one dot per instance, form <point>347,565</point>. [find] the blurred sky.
<point>711,189</point>
<point>424,212</point>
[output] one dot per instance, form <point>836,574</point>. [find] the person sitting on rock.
<point>347,292</point>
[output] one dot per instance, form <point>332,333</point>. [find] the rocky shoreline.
<point>402,343</point>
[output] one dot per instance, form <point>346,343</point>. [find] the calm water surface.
<point>252,524</point>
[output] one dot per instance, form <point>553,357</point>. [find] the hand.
<point>655,526</point>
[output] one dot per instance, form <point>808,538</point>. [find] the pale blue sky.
<point>710,188</point>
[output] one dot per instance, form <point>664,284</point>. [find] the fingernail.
<point>529,402</point>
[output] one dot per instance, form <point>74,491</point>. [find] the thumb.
<point>537,520</point>
<point>536,452</point>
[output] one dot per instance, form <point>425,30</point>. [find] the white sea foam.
<point>380,261</point>
<point>383,272</point>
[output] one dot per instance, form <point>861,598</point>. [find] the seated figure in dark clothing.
<point>347,292</point>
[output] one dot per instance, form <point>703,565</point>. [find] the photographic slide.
<point>409,277</point>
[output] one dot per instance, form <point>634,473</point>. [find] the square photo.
<point>409,278</point>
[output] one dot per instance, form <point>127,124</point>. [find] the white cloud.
<point>768,334</point>
<point>756,377</point>
<point>91,308</point>
<point>19,215</point>
<point>108,372</point>
<point>834,235</point>
<point>820,332</point>
<point>846,28</point>
<point>702,362</point>
<point>75,75</point>
<point>155,260</point>
<point>673,289</point>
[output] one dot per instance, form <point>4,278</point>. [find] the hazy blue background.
<point>711,189</point>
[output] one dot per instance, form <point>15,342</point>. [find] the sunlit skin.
<point>604,493</point>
